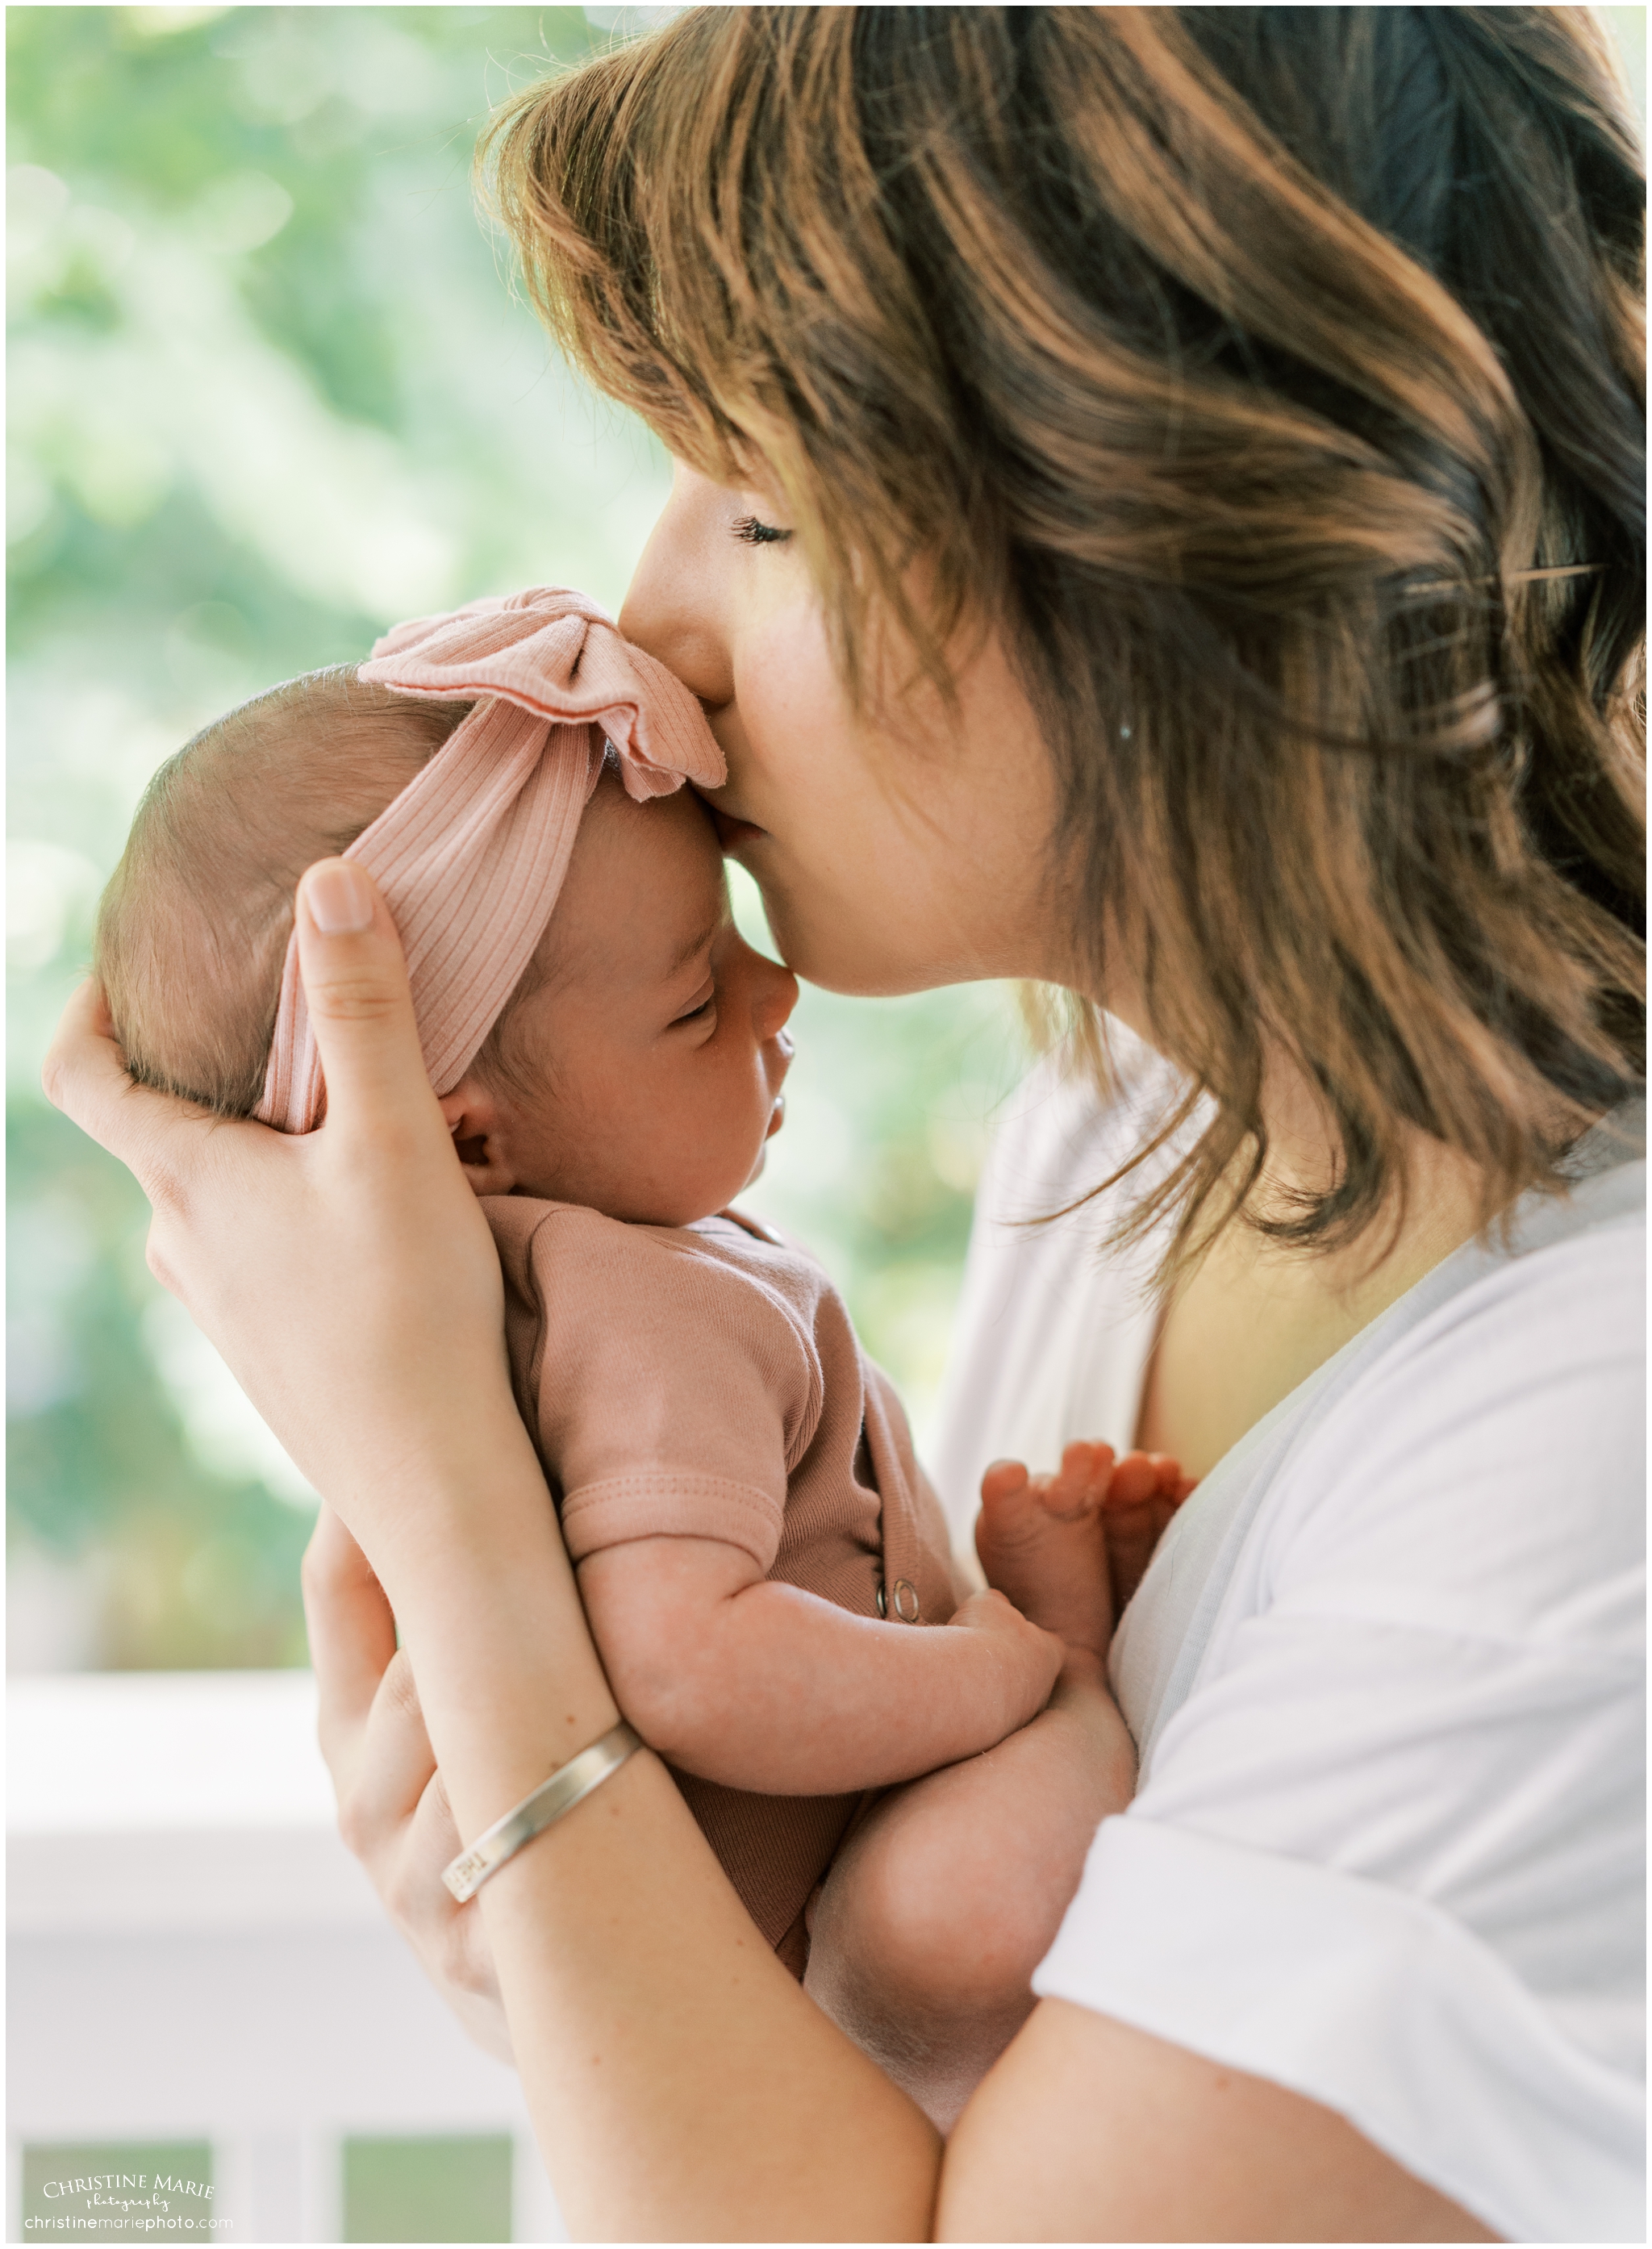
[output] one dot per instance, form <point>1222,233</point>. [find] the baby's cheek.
<point>732,1115</point>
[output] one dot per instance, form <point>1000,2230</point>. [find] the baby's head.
<point>635,1069</point>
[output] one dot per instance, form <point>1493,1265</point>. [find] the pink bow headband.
<point>472,853</point>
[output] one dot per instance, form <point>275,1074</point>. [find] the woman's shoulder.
<point>1051,1335</point>
<point>1067,1125</point>
<point>1554,1297</point>
<point>1485,1472</point>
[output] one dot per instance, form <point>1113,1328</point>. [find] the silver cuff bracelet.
<point>567,1786</point>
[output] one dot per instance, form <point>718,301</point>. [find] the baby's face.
<point>650,1061</point>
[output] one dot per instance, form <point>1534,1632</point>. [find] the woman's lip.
<point>776,1117</point>
<point>731,833</point>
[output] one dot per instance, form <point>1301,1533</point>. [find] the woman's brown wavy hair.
<point>1242,364</point>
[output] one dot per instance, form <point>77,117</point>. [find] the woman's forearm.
<point>488,1609</point>
<point>681,2084</point>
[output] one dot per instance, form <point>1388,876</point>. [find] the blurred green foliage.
<point>456,2188</point>
<point>269,391</point>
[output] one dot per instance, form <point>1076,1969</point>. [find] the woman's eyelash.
<point>703,1008</point>
<point>752,531</point>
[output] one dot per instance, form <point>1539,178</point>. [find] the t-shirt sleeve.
<point>1388,1852</point>
<point>673,1391</point>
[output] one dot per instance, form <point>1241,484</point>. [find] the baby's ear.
<point>472,1115</point>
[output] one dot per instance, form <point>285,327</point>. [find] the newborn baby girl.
<point>763,1560</point>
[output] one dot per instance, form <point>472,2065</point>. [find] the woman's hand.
<point>348,1277</point>
<point>393,1809</point>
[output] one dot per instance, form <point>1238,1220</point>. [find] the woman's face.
<point>892,855</point>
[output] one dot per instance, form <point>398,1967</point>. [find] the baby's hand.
<point>1067,1547</point>
<point>1030,1657</point>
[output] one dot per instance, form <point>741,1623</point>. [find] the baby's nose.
<point>778,998</point>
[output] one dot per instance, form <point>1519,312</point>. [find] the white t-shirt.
<point>1385,1676</point>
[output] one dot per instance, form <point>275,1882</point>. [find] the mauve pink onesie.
<point>705,1382</point>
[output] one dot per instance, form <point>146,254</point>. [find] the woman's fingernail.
<point>339,901</point>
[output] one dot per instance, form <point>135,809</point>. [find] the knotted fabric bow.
<point>472,853</point>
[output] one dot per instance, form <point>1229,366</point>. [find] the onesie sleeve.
<point>1387,1853</point>
<point>673,1391</point>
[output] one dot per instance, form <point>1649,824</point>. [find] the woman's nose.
<point>672,608</point>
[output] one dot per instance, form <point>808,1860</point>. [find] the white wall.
<point>193,1954</point>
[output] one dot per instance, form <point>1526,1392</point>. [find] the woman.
<point>1158,514</point>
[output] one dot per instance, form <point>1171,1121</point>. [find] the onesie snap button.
<point>905,1601</point>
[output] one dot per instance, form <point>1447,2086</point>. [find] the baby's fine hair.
<point>193,928</point>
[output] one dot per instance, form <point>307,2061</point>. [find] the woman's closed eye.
<point>752,531</point>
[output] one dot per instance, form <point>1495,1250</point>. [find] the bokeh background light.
<point>269,391</point>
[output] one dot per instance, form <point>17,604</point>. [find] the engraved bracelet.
<point>567,1786</point>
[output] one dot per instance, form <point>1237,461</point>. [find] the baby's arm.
<point>761,1686</point>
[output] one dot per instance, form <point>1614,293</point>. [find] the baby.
<point>762,1558</point>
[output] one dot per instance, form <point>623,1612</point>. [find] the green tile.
<point>453,2189</point>
<point>119,2190</point>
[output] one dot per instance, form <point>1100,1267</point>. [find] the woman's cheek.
<point>801,743</point>
<point>855,937</point>
<point>804,924</point>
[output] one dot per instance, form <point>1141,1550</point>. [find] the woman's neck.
<point>1249,1318</point>
<point>1436,1204</point>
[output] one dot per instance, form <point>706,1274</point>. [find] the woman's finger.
<point>453,1936</point>
<point>393,1810</point>
<point>395,1763</point>
<point>372,1729</point>
<point>352,1642</point>
<point>360,1006</point>
<point>450,1939</point>
<point>82,1053</point>
<point>85,1075</point>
